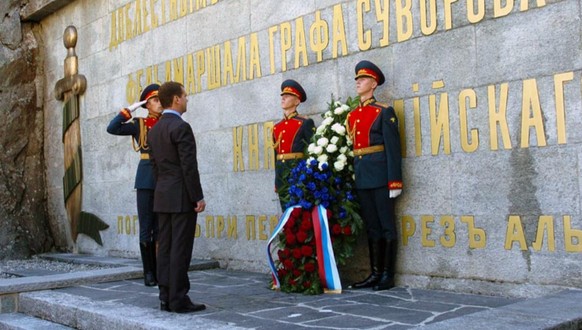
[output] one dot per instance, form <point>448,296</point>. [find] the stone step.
<point>17,321</point>
<point>559,311</point>
<point>84,313</point>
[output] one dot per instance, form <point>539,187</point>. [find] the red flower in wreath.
<point>306,225</point>
<point>297,253</point>
<point>309,267</point>
<point>295,214</point>
<point>290,238</point>
<point>302,237</point>
<point>336,229</point>
<point>307,250</point>
<point>288,264</point>
<point>347,230</point>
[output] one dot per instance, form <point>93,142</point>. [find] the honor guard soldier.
<point>138,128</point>
<point>373,128</point>
<point>290,136</point>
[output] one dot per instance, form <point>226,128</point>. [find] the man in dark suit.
<point>178,198</point>
<point>373,128</point>
<point>124,124</point>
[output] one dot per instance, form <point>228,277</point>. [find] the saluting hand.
<point>136,105</point>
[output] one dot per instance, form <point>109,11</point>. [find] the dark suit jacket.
<point>173,156</point>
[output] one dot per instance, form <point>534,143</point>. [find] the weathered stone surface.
<point>25,228</point>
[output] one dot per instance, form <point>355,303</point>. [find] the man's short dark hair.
<point>167,92</point>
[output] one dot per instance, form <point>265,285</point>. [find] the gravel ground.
<point>9,266</point>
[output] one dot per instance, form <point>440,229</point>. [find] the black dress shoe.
<point>164,306</point>
<point>191,308</point>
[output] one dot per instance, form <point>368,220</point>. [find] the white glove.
<point>136,105</point>
<point>395,193</point>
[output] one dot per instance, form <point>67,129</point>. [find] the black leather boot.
<point>376,250</point>
<point>386,281</point>
<point>149,277</point>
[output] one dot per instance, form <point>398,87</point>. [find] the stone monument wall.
<point>488,93</point>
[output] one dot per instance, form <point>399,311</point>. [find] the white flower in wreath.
<point>331,148</point>
<point>322,142</point>
<point>327,121</point>
<point>327,114</point>
<point>339,129</point>
<point>311,148</point>
<point>334,140</point>
<point>341,109</point>
<point>342,158</point>
<point>339,165</point>
<point>322,159</point>
<point>343,150</point>
<point>320,129</point>
<point>317,150</point>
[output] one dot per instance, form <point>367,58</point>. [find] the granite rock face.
<point>23,215</point>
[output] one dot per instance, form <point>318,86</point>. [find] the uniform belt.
<point>291,155</point>
<point>144,156</point>
<point>368,150</point>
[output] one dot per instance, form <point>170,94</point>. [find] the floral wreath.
<point>325,178</point>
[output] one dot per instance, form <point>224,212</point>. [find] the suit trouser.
<point>148,222</point>
<point>176,240</point>
<point>377,210</point>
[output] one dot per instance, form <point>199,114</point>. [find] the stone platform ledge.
<point>84,313</point>
<point>123,269</point>
<point>560,311</point>
<point>35,283</point>
<point>89,259</point>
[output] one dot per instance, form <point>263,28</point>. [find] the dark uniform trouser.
<point>148,224</point>
<point>282,173</point>
<point>377,209</point>
<point>174,256</point>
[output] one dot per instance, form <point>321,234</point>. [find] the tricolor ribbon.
<point>282,221</point>
<point>328,273</point>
